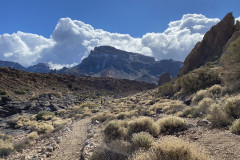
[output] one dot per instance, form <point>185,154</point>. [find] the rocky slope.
<point>211,47</point>
<point>24,92</point>
<point>106,61</point>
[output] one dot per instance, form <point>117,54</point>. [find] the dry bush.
<point>199,96</point>
<point>59,124</point>
<point>218,117</point>
<point>232,107</point>
<point>142,140</point>
<point>171,124</point>
<point>113,131</point>
<point>215,91</point>
<point>44,127</point>
<point>33,135</point>
<point>171,148</point>
<point>45,115</point>
<point>102,117</point>
<point>202,108</point>
<point>235,128</point>
<point>143,124</point>
<point>116,150</point>
<point>174,107</point>
<point>5,148</point>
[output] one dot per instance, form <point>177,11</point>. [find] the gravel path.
<point>71,145</point>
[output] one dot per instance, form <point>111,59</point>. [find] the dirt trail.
<point>71,144</point>
<point>221,144</point>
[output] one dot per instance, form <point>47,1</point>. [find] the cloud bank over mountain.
<point>72,40</point>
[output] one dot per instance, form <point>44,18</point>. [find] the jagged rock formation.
<point>106,61</point>
<point>165,77</point>
<point>211,47</point>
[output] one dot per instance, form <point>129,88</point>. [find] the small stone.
<point>48,154</point>
<point>97,122</point>
<point>50,148</point>
<point>195,138</point>
<point>202,122</point>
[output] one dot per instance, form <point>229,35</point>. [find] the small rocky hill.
<point>211,47</point>
<point>106,61</point>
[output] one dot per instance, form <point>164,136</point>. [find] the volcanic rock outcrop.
<point>211,47</point>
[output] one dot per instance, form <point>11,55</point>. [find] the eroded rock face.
<point>211,47</point>
<point>107,61</point>
<point>165,77</point>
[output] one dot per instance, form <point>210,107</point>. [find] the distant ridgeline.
<point>107,61</point>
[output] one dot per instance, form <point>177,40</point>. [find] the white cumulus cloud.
<point>72,40</point>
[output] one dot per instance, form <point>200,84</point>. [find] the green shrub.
<point>235,128</point>
<point>142,140</point>
<point>143,124</point>
<point>195,80</point>
<point>171,148</point>
<point>44,115</point>
<point>171,124</point>
<point>231,62</point>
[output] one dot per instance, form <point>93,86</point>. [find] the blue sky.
<point>134,17</point>
<point>63,32</point>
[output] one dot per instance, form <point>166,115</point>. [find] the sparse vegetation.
<point>198,79</point>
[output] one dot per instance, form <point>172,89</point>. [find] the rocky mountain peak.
<point>211,47</point>
<point>107,61</point>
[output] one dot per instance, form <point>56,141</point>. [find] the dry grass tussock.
<point>6,146</point>
<point>142,140</point>
<point>171,124</point>
<point>172,148</point>
<point>235,128</point>
<point>143,124</point>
